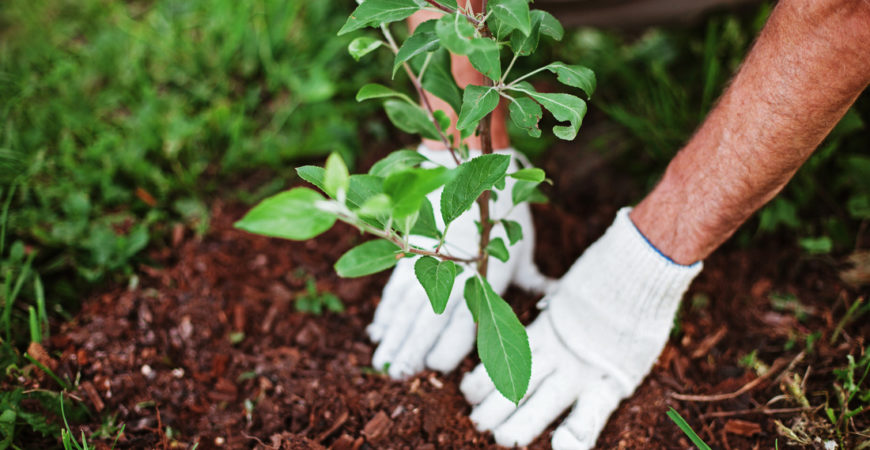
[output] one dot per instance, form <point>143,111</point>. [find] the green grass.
<point>684,426</point>
<point>120,118</point>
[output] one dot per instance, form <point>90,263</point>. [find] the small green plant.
<point>67,437</point>
<point>390,202</point>
<point>684,426</point>
<point>313,301</point>
<point>852,395</point>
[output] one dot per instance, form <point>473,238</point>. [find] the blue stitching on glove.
<point>666,257</point>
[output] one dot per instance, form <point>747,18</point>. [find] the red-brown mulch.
<point>209,343</point>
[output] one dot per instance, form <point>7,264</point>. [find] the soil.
<point>208,347</point>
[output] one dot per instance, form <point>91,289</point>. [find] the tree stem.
<point>483,200</point>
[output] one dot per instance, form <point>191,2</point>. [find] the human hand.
<point>411,336</point>
<point>605,324</point>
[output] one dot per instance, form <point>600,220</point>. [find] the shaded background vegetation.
<point>122,119</point>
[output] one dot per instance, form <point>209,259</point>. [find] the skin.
<point>809,64</point>
<point>806,69</point>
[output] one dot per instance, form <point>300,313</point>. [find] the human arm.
<point>611,313</point>
<point>809,64</point>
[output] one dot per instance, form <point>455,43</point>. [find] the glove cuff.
<point>621,288</point>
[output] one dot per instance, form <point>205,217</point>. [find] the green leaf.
<point>513,229</point>
<point>406,223</point>
<point>544,23</point>
<point>438,80</point>
<point>817,246</point>
<point>7,428</point>
<point>526,113</point>
<point>550,26</point>
<point>361,187</point>
<point>472,178</point>
<point>484,57</point>
<point>291,215</point>
<point>499,28</point>
<point>312,174</point>
<point>524,44</point>
<point>423,40</point>
<point>529,174</point>
<point>335,177</point>
<point>377,12</point>
<point>498,250</point>
<point>374,90</point>
<point>499,185</point>
<point>410,119</point>
<point>368,258</point>
<point>526,191</point>
<point>426,225</point>
<point>563,107</point>
<point>437,279</point>
<point>376,206</point>
<point>362,46</point>
<point>456,33</point>
<point>477,102</point>
<point>396,161</point>
<point>514,13</point>
<point>409,187</point>
<point>443,119</point>
<point>859,206</point>
<point>502,342</point>
<point>574,76</point>
<point>448,3</point>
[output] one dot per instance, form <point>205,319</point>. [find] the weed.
<point>852,390</point>
<point>313,301</point>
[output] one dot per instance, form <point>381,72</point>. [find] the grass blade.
<point>35,335</point>
<point>678,419</point>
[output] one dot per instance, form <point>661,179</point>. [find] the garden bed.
<point>208,347</point>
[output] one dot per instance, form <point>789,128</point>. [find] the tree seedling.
<point>390,201</point>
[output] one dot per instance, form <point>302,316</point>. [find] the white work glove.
<point>605,324</point>
<point>411,336</point>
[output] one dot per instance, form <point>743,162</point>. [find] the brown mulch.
<point>209,349</point>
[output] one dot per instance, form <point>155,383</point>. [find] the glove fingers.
<point>455,342</point>
<point>395,290</point>
<point>476,385</point>
<point>594,405</point>
<point>397,330</point>
<point>425,331</point>
<point>556,394</point>
<point>495,408</point>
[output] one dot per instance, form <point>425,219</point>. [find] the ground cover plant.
<point>118,120</point>
<point>390,201</point>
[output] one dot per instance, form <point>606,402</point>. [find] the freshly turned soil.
<point>209,343</point>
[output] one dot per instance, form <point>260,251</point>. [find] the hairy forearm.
<point>809,64</point>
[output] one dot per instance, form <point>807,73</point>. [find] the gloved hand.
<point>605,324</point>
<point>410,334</point>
